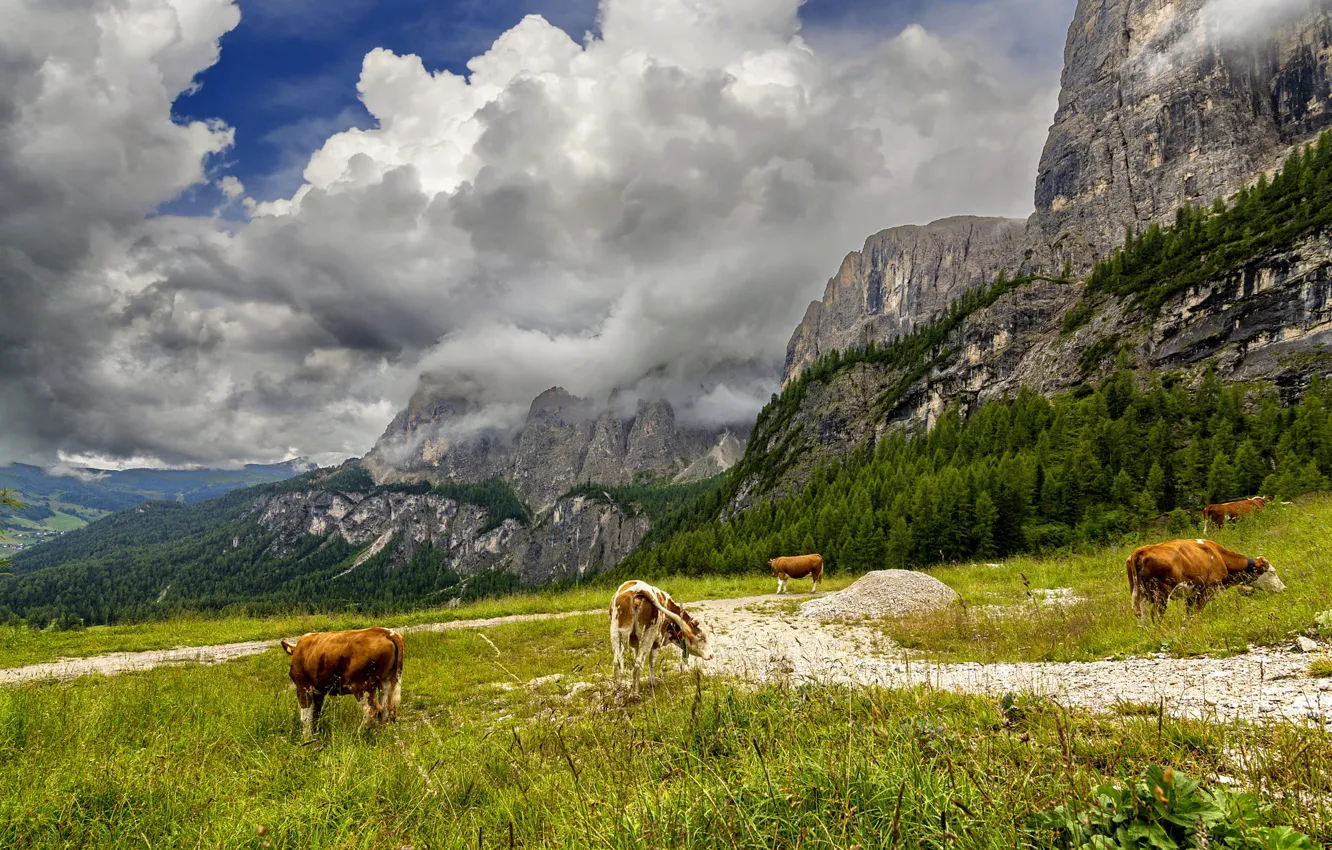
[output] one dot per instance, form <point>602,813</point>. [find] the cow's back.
<point>333,662</point>
<point>1189,560</point>
<point>797,566</point>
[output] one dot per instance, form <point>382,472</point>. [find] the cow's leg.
<point>645,641</point>
<point>393,696</point>
<point>1201,596</point>
<point>781,584</point>
<point>815,588</point>
<point>306,700</point>
<point>370,708</point>
<point>652,666</point>
<point>617,649</point>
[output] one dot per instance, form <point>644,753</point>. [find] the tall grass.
<point>1001,622</point>
<point>210,757</point>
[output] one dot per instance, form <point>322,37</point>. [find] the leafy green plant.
<point>1324,621</point>
<point>1164,810</point>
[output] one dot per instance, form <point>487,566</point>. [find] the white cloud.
<point>1177,32</point>
<point>648,210</point>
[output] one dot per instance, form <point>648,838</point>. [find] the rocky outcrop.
<point>903,277</point>
<point>577,538</point>
<point>1168,101</point>
<point>1268,322</point>
<point>565,441</point>
<point>719,458</point>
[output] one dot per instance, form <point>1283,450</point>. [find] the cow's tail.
<point>1135,584</point>
<point>393,684</point>
<point>670,615</point>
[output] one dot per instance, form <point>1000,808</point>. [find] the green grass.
<point>1000,623</point>
<point>1321,668</point>
<point>207,756</point>
<point>21,645</point>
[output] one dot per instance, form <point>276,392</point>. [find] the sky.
<point>241,231</point>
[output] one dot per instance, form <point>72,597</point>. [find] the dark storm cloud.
<point>648,211</point>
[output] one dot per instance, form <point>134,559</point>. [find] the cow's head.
<point>1265,577</point>
<point>696,640</point>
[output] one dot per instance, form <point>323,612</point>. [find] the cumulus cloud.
<point>649,209</point>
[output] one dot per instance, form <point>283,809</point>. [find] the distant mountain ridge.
<point>563,442</point>
<point>113,490</point>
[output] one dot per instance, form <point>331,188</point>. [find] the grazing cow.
<point>358,662</point>
<point>797,566</point>
<point>1201,567</point>
<point>646,618</point>
<point>1219,514</point>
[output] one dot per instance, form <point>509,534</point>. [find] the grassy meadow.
<point>21,645</point>
<point>1001,622</point>
<point>488,743</point>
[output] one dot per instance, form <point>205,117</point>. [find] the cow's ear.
<point>286,647</point>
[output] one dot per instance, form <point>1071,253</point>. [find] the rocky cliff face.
<point>1167,101</point>
<point>1270,322</point>
<point>579,537</point>
<point>564,441</point>
<point>903,277</point>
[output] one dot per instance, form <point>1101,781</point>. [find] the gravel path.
<point>755,639</point>
<point>763,637</point>
<point>125,662</point>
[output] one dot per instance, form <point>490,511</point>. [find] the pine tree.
<point>1156,484</point>
<point>1220,479</point>
<point>984,526</point>
<point>1249,469</point>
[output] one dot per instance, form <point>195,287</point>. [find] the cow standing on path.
<point>1220,514</point>
<point>359,663</point>
<point>646,618</point>
<point>1202,567</point>
<point>797,566</point>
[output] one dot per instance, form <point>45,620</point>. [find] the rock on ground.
<point>883,593</point>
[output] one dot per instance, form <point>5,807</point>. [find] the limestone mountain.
<point>902,277</point>
<point>1161,104</point>
<point>564,441</point>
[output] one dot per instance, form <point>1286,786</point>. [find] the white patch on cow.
<point>1200,541</point>
<point>307,720</point>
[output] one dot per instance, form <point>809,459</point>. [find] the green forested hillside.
<point>1023,474</point>
<point>162,558</point>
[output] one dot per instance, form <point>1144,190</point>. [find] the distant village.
<point>24,545</point>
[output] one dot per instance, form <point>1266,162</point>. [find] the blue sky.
<point>287,76</point>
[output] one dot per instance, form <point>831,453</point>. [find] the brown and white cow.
<point>1219,514</point>
<point>1200,567</point>
<point>359,663</point>
<point>645,618</point>
<point>797,566</point>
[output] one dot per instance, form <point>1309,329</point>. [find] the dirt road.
<point>126,662</point>
<point>756,637</point>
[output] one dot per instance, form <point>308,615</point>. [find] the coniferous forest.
<point>1020,475</point>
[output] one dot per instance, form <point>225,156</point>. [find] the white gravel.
<point>763,639</point>
<point>883,593</point>
<point>757,641</point>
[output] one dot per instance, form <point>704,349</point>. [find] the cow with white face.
<point>645,618</point>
